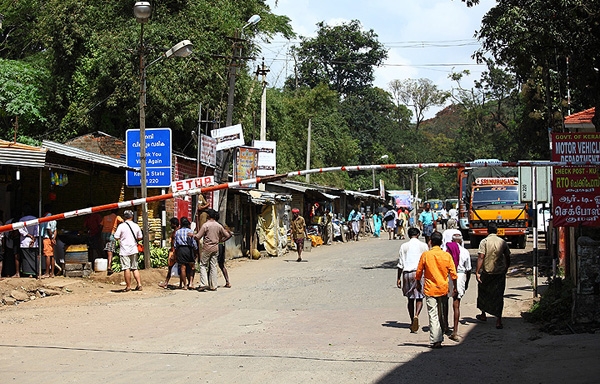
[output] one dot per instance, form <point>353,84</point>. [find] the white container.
<point>100,265</point>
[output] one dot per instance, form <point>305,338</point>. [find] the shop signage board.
<point>245,165</point>
<point>228,137</point>
<point>158,157</point>
<point>576,189</point>
<point>267,157</point>
<point>208,150</point>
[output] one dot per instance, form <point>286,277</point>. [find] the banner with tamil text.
<point>576,189</point>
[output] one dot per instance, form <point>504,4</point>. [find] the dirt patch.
<point>97,286</point>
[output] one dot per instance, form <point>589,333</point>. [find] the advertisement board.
<point>576,189</point>
<point>245,165</point>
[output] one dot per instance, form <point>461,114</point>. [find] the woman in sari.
<point>376,225</point>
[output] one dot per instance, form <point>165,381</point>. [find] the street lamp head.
<point>181,49</point>
<point>251,21</point>
<point>142,11</point>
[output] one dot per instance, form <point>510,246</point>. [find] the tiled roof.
<point>583,117</point>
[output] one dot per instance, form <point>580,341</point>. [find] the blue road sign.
<point>158,157</point>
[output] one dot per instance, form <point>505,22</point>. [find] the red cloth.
<point>454,251</point>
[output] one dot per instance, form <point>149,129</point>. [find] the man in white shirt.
<point>453,218</point>
<point>129,233</point>
<point>410,253</point>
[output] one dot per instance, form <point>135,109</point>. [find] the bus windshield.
<point>495,195</point>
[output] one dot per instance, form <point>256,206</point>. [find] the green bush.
<point>555,304</point>
<point>158,256</point>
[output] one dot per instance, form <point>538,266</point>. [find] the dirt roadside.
<point>72,290</point>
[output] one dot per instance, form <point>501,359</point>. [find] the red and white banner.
<point>576,189</point>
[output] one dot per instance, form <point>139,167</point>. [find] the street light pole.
<point>142,11</point>
<point>381,158</point>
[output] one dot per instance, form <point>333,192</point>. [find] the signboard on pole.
<point>576,190</point>
<point>267,157</point>
<point>228,137</point>
<point>208,150</point>
<point>158,157</point>
<point>246,164</point>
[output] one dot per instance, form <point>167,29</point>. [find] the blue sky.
<point>424,38</point>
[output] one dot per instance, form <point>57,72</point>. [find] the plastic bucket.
<point>100,265</point>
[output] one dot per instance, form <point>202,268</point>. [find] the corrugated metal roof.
<point>302,188</point>
<point>22,155</point>
<point>80,154</point>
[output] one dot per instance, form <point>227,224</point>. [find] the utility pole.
<point>308,152</point>
<point>262,71</point>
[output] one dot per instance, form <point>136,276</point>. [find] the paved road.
<point>336,318</point>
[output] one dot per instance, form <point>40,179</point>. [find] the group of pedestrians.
<point>397,223</point>
<point>206,246</point>
<point>440,268</point>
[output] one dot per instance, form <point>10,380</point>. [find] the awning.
<point>21,155</point>
<point>362,195</point>
<point>261,197</point>
<point>90,157</point>
<point>303,189</point>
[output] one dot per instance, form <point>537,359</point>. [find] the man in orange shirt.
<point>436,265</point>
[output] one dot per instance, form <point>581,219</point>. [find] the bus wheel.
<point>522,242</point>
<point>475,240</point>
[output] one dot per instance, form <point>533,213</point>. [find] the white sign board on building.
<point>228,137</point>
<point>208,150</point>
<point>267,157</point>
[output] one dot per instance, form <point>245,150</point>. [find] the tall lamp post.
<point>142,11</point>
<point>381,158</point>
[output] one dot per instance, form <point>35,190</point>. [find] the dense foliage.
<point>69,68</point>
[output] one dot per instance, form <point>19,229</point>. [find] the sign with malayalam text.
<point>576,189</point>
<point>158,157</point>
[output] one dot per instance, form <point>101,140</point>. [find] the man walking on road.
<point>427,221</point>
<point>492,264</point>
<point>298,227</point>
<point>435,265</point>
<point>410,254</point>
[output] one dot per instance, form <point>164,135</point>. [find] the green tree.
<point>535,37</point>
<point>342,56</point>
<point>91,51</point>
<point>22,96</point>
<point>287,122</point>
<point>419,94</point>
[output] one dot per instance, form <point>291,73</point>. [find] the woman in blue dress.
<point>376,225</point>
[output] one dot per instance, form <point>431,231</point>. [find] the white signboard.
<point>228,137</point>
<point>196,182</point>
<point>208,150</point>
<point>267,157</point>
